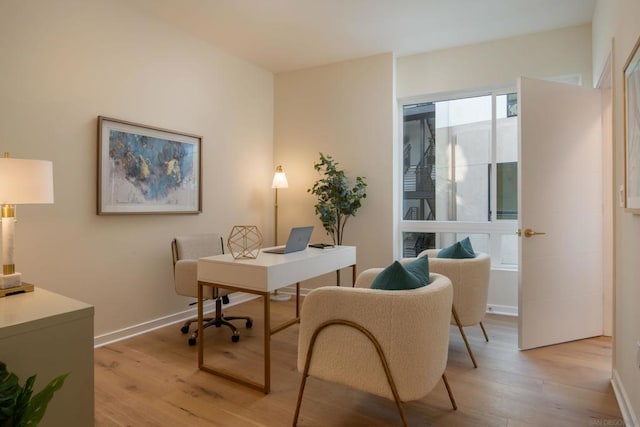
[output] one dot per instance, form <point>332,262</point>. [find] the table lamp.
<point>279,181</point>
<point>22,181</point>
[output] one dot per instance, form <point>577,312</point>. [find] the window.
<point>460,175</point>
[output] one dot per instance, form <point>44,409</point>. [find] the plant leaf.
<point>336,201</point>
<point>9,390</point>
<point>38,405</point>
<point>22,402</point>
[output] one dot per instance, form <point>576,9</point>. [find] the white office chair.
<point>186,250</point>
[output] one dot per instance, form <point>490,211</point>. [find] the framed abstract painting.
<point>631,83</point>
<point>147,170</point>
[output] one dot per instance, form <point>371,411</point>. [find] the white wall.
<point>541,55</point>
<point>618,20</point>
<point>344,110</point>
<point>66,62</point>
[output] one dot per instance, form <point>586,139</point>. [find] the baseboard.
<point>505,310</point>
<point>291,290</point>
<point>630,419</point>
<point>234,299</point>
<point>132,331</point>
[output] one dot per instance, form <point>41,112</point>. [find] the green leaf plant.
<point>17,406</point>
<point>337,201</point>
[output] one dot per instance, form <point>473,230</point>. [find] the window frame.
<point>494,228</point>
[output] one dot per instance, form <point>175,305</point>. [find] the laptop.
<point>297,241</point>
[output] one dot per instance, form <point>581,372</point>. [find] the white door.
<point>560,176</point>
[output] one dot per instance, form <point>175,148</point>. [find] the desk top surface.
<point>267,260</point>
<point>273,271</point>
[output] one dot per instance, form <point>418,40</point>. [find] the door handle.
<point>529,232</point>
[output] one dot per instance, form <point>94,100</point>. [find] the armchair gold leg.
<point>464,337</point>
<point>446,384</point>
<point>486,337</point>
<point>300,392</point>
<point>383,360</point>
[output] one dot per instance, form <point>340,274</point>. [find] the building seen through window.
<point>459,166</point>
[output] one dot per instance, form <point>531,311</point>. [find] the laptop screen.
<point>298,239</point>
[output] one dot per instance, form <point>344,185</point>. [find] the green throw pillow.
<point>419,268</point>
<point>458,250</point>
<point>466,243</point>
<point>396,277</point>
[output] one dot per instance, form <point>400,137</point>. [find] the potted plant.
<point>337,201</point>
<point>17,407</point>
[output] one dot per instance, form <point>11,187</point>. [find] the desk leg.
<point>353,275</point>
<point>298,300</point>
<point>200,328</point>
<point>265,387</point>
<point>267,343</point>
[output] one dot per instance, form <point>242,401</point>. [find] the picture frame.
<point>147,170</point>
<point>631,89</point>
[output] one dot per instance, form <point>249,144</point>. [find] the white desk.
<point>261,276</point>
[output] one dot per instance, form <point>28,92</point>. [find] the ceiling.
<point>285,35</point>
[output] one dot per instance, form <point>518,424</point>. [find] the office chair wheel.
<point>184,329</point>
<point>235,338</point>
<point>249,324</point>
<point>192,341</point>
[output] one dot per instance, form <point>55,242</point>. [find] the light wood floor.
<point>153,380</point>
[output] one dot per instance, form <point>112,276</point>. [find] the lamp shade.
<point>279,179</point>
<point>25,181</point>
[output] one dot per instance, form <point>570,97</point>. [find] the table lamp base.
<point>10,280</point>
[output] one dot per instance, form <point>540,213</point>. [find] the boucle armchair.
<point>186,250</point>
<point>361,338</point>
<point>470,280</point>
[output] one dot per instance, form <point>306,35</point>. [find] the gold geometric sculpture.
<point>244,241</point>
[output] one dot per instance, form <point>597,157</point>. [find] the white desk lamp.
<point>279,181</point>
<point>22,181</point>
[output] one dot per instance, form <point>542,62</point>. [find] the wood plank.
<point>153,380</point>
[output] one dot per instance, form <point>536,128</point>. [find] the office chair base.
<point>217,321</point>
<point>235,337</point>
